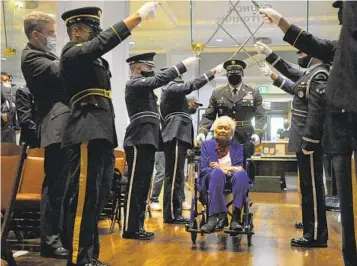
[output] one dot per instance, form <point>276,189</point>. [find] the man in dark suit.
<point>238,101</point>
<point>340,123</point>
<point>26,114</point>
<point>40,68</point>
<point>307,118</point>
<point>143,135</point>
<point>8,119</point>
<point>177,134</point>
<point>90,135</point>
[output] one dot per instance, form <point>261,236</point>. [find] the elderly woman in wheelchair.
<point>221,165</point>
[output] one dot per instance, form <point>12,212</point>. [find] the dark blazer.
<point>176,119</point>
<point>209,154</point>
<point>344,65</point>
<point>41,72</point>
<point>243,107</point>
<point>26,109</point>
<point>86,74</point>
<point>342,86</point>
<point>141,103</point>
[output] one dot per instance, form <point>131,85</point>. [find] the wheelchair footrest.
<point>235,233</point>
<point>192,230</point>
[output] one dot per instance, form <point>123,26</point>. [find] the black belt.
<point>92,91</point>
<point>144,114</point>
<point>242,123</point>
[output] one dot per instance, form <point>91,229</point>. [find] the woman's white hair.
<point>225,120</point>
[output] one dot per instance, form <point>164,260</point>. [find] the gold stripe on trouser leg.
<point>173,181</point>
<point>82,185</point>
<point>130,188</point>
<point>354,192</point>
<point>312,168</point>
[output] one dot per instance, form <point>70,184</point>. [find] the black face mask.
<point>234,79</point>
<point>304,61</point>
<point>340,15</point>
<point>147,74</point>
<point>192,111</point>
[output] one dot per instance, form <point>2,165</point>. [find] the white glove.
<point>256,139</point>
<point>307,152</point>
<point>148,10</point>
<point>200,137</point>
<point>262,48</point>
<point>265,69</point>
<point>270,16</point>
<point>190,61</point>
<point>220,70</point>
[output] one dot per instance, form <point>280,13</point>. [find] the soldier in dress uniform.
<point>177,134</point>
<point>143,135</point>
<point>238,101</point>
<point>307,118</point>
<point>40,68</point>
<point>339,138</point>
<point>90,136</point>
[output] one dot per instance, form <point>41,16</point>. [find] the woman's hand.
<point>214,165</point>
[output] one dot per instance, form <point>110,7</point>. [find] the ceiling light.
<point>219,40</point>
<point>19,4</point>
<point>131,42</point>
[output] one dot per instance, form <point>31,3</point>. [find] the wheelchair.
<point>193,164</point>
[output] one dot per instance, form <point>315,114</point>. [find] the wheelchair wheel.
<point>194,234</point>
<point>251,227</point>
<point>249,239</point>
<point>203,221</point>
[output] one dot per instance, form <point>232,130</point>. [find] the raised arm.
<point>191,85</point>
<point>302,40</point>
<point>278,81</point>
<point>278,63</point>
<point>111,37</point>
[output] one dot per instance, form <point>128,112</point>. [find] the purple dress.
<point>213,180</point>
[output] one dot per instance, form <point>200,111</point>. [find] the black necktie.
<point>235,92</point>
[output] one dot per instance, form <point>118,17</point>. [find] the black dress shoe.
<point>140,235</point>
<point>58,253</point>
<point>211,225</point>
<point>146,232</point>
<point>299,225</point>
<point>222,223</point>
<point>306,243</point>
<point>97,262</point>
<point>236,226</point>
<point>178,220</point>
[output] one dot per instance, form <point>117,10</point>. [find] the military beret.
<point>337,4</point>
<point>86,15</point>
<point>238,63</point>
<point>145,58</point>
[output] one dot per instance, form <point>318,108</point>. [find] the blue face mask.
<point>51,43</point>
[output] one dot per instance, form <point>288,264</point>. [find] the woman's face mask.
<point>192,111</point>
